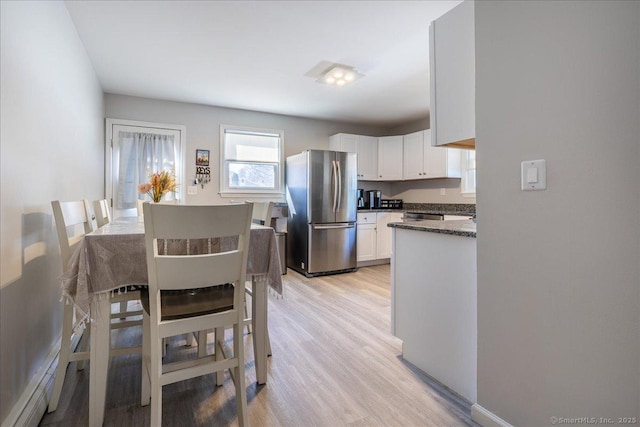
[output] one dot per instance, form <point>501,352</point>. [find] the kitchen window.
<point>468,166</point>
<point>250,161</point>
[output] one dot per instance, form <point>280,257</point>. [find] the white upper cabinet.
<point>365,146</point>
<point>452,77</point>
<point>413,164</point>
<point>424,161</point>
<point>367,158</point>
<point>390,158</point>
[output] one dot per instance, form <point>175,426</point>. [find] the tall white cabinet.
<point>421,160</point>
<point>390,158</point>
<point>452,77</point>
<point>365,146</point>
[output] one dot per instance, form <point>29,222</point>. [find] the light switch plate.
<point>533,175</point>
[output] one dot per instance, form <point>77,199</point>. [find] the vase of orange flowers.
<point>160,183</point>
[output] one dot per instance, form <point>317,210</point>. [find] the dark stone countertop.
<point>465,227</point>
<point>441,208</point>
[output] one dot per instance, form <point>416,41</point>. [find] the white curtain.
<point>142,154</point>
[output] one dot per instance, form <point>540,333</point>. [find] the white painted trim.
<point>108,147</point>
<point>487,418</point>
<point>32,404</point>
<point>224,192</point>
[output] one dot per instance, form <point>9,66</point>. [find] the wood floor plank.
<point>335,363</point>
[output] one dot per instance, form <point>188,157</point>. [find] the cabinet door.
<point>343,142</point>
<point>413,154</point>
<point>366,242</point>
<point>334,142</point>
<point>452,79</point>
<point>390,158</point>
<point>383,236</point>
<point>348,143</point>
<point>435,159</point>
<point>367,157</point>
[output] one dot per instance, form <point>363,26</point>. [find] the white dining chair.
<point>262,212</point>
<point>140,203</point>
<point>102,216</point>
<point>73,220</point>
<point>192,293</point>
<point>102,212</point>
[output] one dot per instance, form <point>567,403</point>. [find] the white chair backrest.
<point>262,213</point>
<point>72,223</point>
<point>170,272</point>
<point>101,212</point>
<point>139,204</point>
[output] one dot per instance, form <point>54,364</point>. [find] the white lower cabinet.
<point>383,235</point>
<point>366,237</point>
<point>374,237</point>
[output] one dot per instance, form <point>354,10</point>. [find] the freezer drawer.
<point>332,248</point>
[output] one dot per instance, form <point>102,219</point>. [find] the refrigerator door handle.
<point>339,176</point>
<point>332,226</point>
<point>335,184</point>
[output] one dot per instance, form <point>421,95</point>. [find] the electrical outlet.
<point>192,190</point>
<point>442,191</point>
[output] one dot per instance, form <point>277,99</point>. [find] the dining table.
<point>112,259</point>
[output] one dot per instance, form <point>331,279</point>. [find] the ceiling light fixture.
<point>339,75</point>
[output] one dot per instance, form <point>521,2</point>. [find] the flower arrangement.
<point>160,183</point>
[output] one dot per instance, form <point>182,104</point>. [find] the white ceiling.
<point>258,55</point>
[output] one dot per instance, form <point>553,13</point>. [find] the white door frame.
<point>108,148</point>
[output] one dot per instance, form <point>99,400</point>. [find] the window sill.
<point>252,194</point>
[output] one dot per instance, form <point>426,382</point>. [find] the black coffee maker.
<point>374,198</point>
<point>362,201</point>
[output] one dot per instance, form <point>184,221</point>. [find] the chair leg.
<point>219,343</point>
<point>156,371</point>
<point>240,381</point>
<point>85,345</point>
<point>246,315</point>
<point>202,343</point>
<point>63,358</point>
<point>123,308</point>
<point>145,395</point>
<point>268,343</point>
<point>191,339</point>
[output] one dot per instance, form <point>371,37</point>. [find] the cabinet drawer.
<point>367,218</point>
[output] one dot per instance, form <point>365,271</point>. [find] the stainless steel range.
<point>420,216</point>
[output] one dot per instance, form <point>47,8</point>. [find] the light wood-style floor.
<point>334,363</point>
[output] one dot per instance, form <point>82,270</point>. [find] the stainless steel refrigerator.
<point>321,228</point>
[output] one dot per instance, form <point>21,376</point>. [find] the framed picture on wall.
<point>202,157</point>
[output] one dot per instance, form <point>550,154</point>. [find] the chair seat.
<point>189,303</point>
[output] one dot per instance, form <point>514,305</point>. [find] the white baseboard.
<point>32,404</point>
<point>487,418</point>
<point>374,262</point>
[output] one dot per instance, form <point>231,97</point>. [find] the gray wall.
<point>203,131</point>
<point>51,147</point>
<point>558,270</point>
